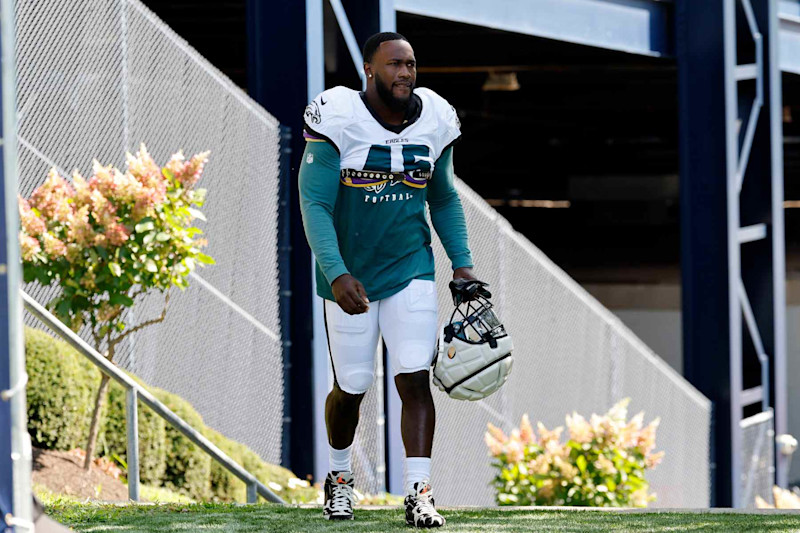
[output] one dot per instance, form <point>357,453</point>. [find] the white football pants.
<point>408,322</point>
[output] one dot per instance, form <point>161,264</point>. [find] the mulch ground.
<point>63,473</point>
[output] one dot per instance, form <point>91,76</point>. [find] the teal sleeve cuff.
<point>334,272</point>
<point>462,261</point>
<point>319,185</point>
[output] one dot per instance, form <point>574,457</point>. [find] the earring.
<point>370,75</point>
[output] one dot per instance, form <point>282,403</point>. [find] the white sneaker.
<point>339,497</point>
<point>420,511</point>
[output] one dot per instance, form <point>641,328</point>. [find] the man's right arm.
<point>319,185</point>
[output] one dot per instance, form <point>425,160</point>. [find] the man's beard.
<point>392,102</point>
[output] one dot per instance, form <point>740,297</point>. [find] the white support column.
<point>778,241</point>
<point>315,48</point>
<point>388,16</point>
<point>393,407</point>
<point>323,381</point>
<point>323,374</point>
<point>737,164</point>
<point>734,263</point>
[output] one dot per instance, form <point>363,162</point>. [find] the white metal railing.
<point>134,392</point>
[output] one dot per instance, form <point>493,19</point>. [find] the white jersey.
<point>341,117</point>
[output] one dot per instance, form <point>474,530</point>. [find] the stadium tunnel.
<point>575,144</point>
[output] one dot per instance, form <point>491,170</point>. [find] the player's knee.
<point>342,396</point>
<point>413,384</point>
<point>356,381</point>
<point>412,359</point>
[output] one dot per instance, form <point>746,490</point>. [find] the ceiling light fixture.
<point>546,204</point>
<point>501,81</point>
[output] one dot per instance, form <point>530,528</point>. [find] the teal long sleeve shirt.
<point>380,236</point>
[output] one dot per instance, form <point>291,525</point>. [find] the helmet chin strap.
<point>448,332</point>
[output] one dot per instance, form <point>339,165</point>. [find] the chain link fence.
<point>570,354</point>
<point>96,78</point>
<point>758,464</point>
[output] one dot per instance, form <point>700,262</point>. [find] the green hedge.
<point>188,467</point>
<point>61,391</point>
<point>225,486</point>
<point>152,436</point>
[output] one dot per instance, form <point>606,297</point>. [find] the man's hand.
<point>465,286</point>
<point>464,273</point>
<point>350,294</point>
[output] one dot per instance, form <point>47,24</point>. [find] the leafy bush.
<point>226,486</point>
<point>109,239</point>
<point>118,234</point>
<point>784,499</point>
<point>60,392</point>
<point>279,479</point>
<point>188,467</point>
<point>602,464</point>
<point>152,437</point>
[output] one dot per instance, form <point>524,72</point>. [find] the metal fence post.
<point>285,286</point>
<point>15,447</point>
<point>132,414</point>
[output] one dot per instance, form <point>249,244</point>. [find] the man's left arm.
<point>447,216</point>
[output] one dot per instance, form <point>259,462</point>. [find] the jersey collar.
<point>412,113</point>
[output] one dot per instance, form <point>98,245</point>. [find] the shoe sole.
<point>332,517</point>
<point>412,524</point>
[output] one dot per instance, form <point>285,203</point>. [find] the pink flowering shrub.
<point>602,464</point>
<point>111,237</point>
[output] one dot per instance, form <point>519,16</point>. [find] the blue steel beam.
<point>789,46</point>
<point>636,26</point>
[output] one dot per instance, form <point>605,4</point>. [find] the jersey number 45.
<point>415,157</point>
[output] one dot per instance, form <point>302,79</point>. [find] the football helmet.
<point>473,357</point>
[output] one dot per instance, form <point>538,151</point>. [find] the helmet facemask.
<point>475,322</point>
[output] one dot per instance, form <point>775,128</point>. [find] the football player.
<point>372,161</point>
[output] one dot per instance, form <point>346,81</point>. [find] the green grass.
<point>272,518</point>
<point>147,493</point>
<point>162,495</point>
